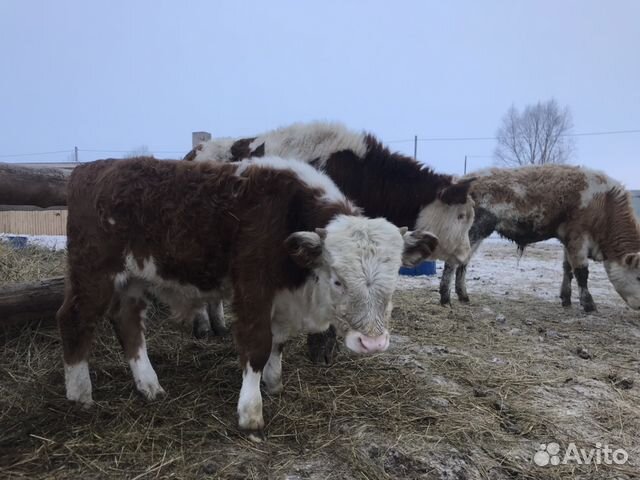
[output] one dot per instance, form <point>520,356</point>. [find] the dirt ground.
<point>468,392</point>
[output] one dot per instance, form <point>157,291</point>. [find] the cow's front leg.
<point>445,283</point>
<point>567,277</point>
<point>253,341</point>
<point>576,253</point>
<point>272,374</point>
<point>323,346</point>
<point>461,283</point>
<point>582,276</point>
<point>250,403</point>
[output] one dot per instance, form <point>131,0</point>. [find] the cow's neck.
<point>385,184</point>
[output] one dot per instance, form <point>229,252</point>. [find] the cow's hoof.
<point>589,307</point>
<point>274,389</point>
<point>566,302</point>
<point>256,436</point>
<point>151,391</point>
<point>221,331</point>
<point>84,404</point>
<point>463,298</point>
<point>200,332</point>
<point>445,302</point>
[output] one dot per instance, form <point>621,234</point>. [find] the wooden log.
<point>26,302</point>
<point>42,187</point>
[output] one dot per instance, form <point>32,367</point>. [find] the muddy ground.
<point>466,392</point>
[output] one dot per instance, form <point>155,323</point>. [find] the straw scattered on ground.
<point>467,392</point>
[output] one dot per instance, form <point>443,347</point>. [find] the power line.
<point>464,139</point>
<point>425,139</point>
<point>34,154</point>
<point>128,151</point>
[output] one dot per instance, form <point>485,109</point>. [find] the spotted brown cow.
<point>589,212</point>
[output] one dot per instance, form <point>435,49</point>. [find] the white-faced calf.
<point>277,236</point>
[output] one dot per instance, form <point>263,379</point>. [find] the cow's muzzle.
<point>360,343</point>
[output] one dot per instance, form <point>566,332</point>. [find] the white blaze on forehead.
<point>625,280</point>
<point>444,222</point>
<point>365,252</point>
<point>306,173</point>
<point>597,184</point>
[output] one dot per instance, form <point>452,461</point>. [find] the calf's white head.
<point>624,274</point>
<point>356,261</point>
<point>450,217</point>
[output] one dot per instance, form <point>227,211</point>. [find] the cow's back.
<point>530,203</point>
<point>170,211</point>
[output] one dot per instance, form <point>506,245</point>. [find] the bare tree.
<point>538,135</point>
<point>141,151</point>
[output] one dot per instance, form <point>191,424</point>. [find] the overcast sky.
<point>118,75</point>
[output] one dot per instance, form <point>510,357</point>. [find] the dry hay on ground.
<point>464,393</point>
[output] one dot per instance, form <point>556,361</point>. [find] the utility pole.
<point>465,164</point>
<point>415,147</point>
<point>75,154</point>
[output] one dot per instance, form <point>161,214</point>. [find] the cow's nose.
<point>374,344</point>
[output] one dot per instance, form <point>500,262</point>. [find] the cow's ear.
<point>305,248</point>
<point>631,260</point>
<point>418,246</point>
<point>457,193</point>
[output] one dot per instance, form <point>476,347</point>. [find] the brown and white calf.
<point>275,235</point>
<point>382,183</point>
<point>590,213</point>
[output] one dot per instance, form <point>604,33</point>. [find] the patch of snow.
<point>498,269</point>
<point>52,242</point>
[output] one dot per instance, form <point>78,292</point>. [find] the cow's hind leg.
<point>83,306</point>
<point>445,283</point>
<point>201,323</point>
<point>565,289</point>
<point>582,277</point>
<point>216,316</point>
<point>461,283</point>
<point>210,319</point>
<point>127,316</point>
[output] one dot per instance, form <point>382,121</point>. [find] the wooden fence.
<point>34,222</point>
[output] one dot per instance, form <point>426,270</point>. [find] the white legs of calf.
<point>250,402</point>
<point>144,375</point>
<point>272,375</point>
<point>78,383</point>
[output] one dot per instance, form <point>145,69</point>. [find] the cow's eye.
<point>461,216</point>
<point>337,283</point>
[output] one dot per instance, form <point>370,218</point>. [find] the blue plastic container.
<point>17,242</point>
<point>425,268</point>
